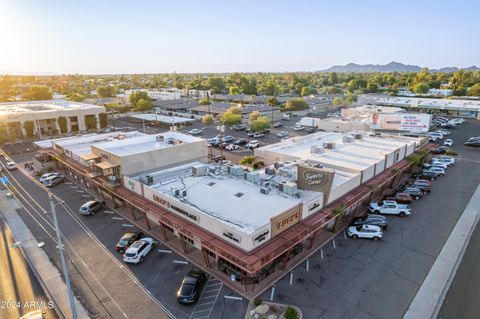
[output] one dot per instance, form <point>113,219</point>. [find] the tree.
<point>296,104</point>
<point>248,160</point>
<point>207,119</point>
<point>337,101</point>
<point>62,123</point>
<point>75,97</point>
<point>204,101</point>
<point>475,90</point>
<point>420,88</point>
<point>253,115</point>
<point>272,101</point>
<point>260,124</point>
<point>235,110</point>
<point>103,119</point>
<point>215,83</point>
<point>106,91</point>
<point>37,92</point>
<point>308,90</point>
<point>3,133</point>
<point>90,122</point>
<point>234,90</point>
<point>29,126</point>
<point>135,97</point>
<point>144,105</point>
<point>230,119</point>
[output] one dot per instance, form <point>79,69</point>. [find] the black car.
<point>91,207</point>
<point>191,287</point>
<point>240,142</point>
<point>371,219</point>
<point>414,192</point>
<point>441,150</point>
<point>428,175</point>
<point>126,240</point>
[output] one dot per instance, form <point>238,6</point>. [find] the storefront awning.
<point>89,157</point>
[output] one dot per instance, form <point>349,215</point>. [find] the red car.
<point>401,198</point>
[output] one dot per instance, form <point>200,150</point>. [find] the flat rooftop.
<point>357,156</point>
<point>453,104</point>
<point>230,199</point>
<point>43,106</point>
<point>162,118</point>
<point>147,143</point>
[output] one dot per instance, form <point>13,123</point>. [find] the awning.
<point>106,165</point>
<point>89,157</point>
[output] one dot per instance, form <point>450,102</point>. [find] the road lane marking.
<point>108,212</point>
<point>117,218</point>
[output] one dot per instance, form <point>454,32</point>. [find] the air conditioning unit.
<point>284,171</point>
<point>280,186</point>
<point>235,170</point>
<point>184,193</point>
<point>329,145</point>
<point>277,165</point>
<point>176,192</point>
<point>289,188</point>
<point>264,190</point>
<point>160,138</point>
<point>199,170</point>
<point>348,139</point>
<point>253,177</point>
<point>148,180</point>
<point>316,149</point>
<point>358,136</point>
<point>270,171</point>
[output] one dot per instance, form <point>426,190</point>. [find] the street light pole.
<point>62,258</point>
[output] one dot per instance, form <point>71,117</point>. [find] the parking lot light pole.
<point>73,308</point>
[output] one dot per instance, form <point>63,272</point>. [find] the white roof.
<point>146,143</point>
<point>454,104</point>
<point>227,198</point>
<point>43,106</point>
<point>162,118</point>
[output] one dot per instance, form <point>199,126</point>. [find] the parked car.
<point>252,144</point>
<point>191,287</point>
<point>137,252</point>
<point>401,198</point>
<point>91,207</point>
<point>47,175</point>
<point>299,128</point>
<point>127,239</point>
<point>240,142</point>
<point>415,192</point>
<point>195,131</point>
<point>448,142</point>
<point>232,147</point>
<point>251,133</point>
<point>258,134</point>
<point>450,161</point>
<point>438,164</point>
<point>426,174</point>
<point>239,127</point>
<point>448,125</point>
<point>437,169</point>
<point>423,185</point>
<point>227,138</point>
<point>365,231</point>
<point>277,124</point>
<point>285,118</point>
<point>371,219</point>
<point>472,143</point>
<point>390,207</point>
<point>11,166</point>
<point>441,150</point>
<point>54,180</point>
<point>282,134</point>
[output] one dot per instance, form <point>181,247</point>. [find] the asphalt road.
<point>20,291</point>
<point>364,279</point>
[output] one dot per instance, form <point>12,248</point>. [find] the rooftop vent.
<point>358,136</point>
<point>330,145</point>
<point>239,194</point>
<point>211,183</point>
<point>316,149</point>
<point>348,139</point>
<point>160,138</point>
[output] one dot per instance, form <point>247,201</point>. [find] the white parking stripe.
<point>205,304</point>
<point>108,212</point>
<point>117,218</point>
<point>127,225</point>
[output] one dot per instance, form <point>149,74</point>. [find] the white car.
<point>11,166</point>
<point>445,159</point>
<point>258,134</point>
<point>232,147</point>
<point>439,164</point>
<point>440,171</point>
<point>365,231</point>
<point>390,207</point>
<point>137,251</point>
<point>252,144</point>
<point>448,142</point>
<point>299,128</point>
<point>47,176</point>
<point>195,131</point>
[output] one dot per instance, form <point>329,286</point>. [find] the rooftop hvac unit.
<point>264,190</point>
<point>329,145</point>
<point>358,136</point>
<point>288,188</point>
<point>148,180</point>
<point>176,192</point>
<point>184,193</point>
<point>235,170</point>
<point>348,139</point>
<point>199,170</point>
<point>270,171</point>
<point>316,149</point>
<point>277,165</point>
<point>160,138</point>
<point>253,177</point>
<point>171,141</point>
<point>284,171</point>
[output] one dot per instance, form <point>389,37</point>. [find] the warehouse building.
<point>45,114</point>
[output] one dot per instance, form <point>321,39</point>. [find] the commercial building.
<point>45,114</point>
<point>246,226</point>
<point>454,107</point>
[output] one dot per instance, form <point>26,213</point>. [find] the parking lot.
<point>366,279</point>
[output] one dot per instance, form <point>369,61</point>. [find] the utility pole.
<point>62,258</point>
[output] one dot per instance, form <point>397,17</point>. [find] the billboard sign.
<point>410,122</point>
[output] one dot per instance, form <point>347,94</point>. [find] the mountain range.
<point>390,67</point>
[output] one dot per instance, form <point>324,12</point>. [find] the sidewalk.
<point>430,296</point>
<point>48,275</point>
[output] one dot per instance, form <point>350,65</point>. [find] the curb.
<point>431,294</point>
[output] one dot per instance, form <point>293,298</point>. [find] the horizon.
<point>55,38</point>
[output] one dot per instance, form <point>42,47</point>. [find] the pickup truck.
<point>390,207</point>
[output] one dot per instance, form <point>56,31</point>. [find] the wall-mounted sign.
<point>285,220</point>
<point>232,236</point>
<point>317,179</point>
<point>161,201</point>
<point>261,236</point>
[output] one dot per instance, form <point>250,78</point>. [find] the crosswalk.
<point>207,300</point>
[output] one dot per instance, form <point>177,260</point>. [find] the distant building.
<point>440,92</point>
<point>44,115</point>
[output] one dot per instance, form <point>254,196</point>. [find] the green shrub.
<point>257,302</point>
<point>291,313</point>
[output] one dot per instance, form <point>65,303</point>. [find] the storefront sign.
<point>161,201</point>
<point>261,237</point>
<point>232,236</point>
<point>285,220</point>
<point>315,178</point>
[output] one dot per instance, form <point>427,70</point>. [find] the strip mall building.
<point>247,227</point>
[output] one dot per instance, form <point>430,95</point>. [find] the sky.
<point>120,36</point>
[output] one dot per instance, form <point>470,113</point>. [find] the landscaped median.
<point>259,309</point>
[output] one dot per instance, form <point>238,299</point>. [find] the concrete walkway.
<point>47,274</point>
<point>430,296</point>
